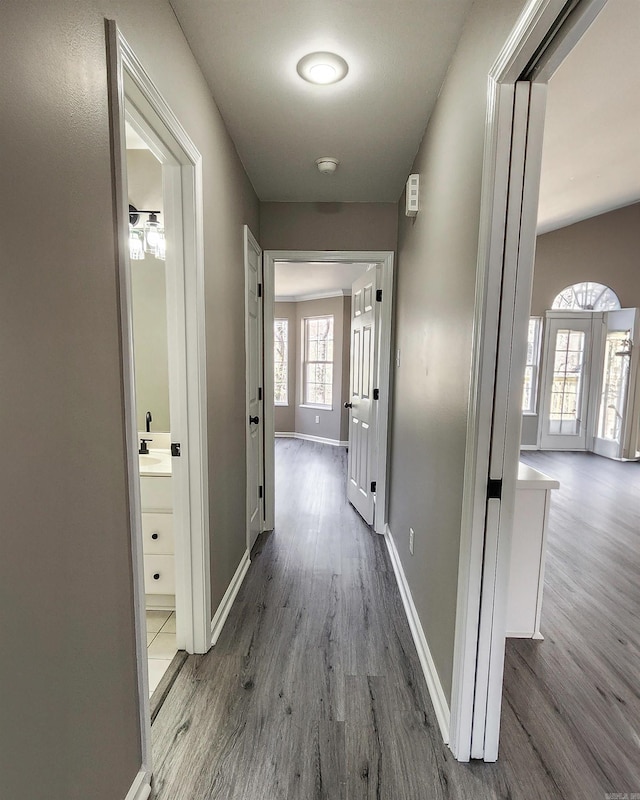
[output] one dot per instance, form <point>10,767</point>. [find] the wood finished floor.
<point>576,695</point>
<point>314,689</point>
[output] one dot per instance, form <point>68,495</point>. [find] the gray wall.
<point>72,707</point>
<point>333,423</point>
<point>603,249</point>
<point>328,226</point>
<point>148,287</point>
<point>437,254</point>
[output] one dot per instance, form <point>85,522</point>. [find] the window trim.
<point>304,362</point>
<point>286,362</point>
<point>532,410</point>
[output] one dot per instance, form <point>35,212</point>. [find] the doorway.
<point>135,102</point>
<point>147,255</point>
<point>541,42</point>
<point>309,399</point>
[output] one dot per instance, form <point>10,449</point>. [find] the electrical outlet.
<point>412,534</point>
<point>317,419</point>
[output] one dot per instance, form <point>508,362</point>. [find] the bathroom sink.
<point>149,460</point>
<point>155,462</point>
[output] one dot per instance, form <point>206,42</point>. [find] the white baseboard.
<point>438,697</point>
<point>525,635</point>
<point>307,437</point>
<point>141,787</point>
<point>220,617</point>
<point>528,446</point>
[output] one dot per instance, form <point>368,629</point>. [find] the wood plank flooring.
<point>314,689</point>
<point>576,695</point>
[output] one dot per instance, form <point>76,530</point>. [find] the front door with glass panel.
<point>565,406</point>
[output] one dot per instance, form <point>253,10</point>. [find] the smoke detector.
<point>327,165</point>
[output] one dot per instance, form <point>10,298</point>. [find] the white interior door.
<point>568,380</point>
<point>362,421</point>
<point>618,369</point>
<point>254,403</point>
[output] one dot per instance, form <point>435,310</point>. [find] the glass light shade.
<point>151,235</point>
<point>322,73</point>
<point>322,68</point>
<point>161,251</point>
<point>136,246</point>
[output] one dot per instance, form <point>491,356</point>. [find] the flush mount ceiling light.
<point>322,68</point>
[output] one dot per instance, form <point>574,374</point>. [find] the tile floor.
<point>161,644</point>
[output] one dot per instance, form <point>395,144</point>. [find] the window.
<point>530,388</point>
<point>281,361</point>
<point>317,365</point>
<point>586,296</point>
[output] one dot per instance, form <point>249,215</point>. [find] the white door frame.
<point>132,95</point>
<point>506,248</point>
<point>385,259</point>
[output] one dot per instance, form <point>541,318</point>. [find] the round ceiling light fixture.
<point>327,164</point>
<point>322,68</point>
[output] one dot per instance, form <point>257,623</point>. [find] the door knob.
<point>348,405</point>
<point>254,420</point>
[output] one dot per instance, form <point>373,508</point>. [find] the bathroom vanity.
<point>157,529</point>
<point>528,548</point>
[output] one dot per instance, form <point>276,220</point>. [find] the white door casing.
<point>362,415</point>
<point>385,264</point>
<point>544,34</point>
<point>254,380</point>
<point>133,95</point>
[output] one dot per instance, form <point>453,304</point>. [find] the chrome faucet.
<point>149,420</point>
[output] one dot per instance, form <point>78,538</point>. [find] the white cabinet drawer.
<point>159,575</point>
<point>157,534</point>
<point>155,493</point>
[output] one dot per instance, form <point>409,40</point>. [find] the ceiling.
<point>299,280</point>
<point>591,151</point>
<point>398,52</point>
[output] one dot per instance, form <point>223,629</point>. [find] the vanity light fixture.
<point>148,239</point>
<point>322,68</point>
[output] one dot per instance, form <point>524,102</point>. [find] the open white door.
<point>618,362</point>
<point>253,362</point>
<point>362,418</point>
<point>631,427</point>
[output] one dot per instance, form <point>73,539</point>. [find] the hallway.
<point>314,689</point>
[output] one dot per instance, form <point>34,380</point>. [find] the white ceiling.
<point>298,280</point>
<point>397,50</point>
<point>591,152</point>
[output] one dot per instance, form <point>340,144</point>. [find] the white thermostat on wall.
<point>412,195</point>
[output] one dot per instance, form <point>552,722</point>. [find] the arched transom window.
<point>586,296</point>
